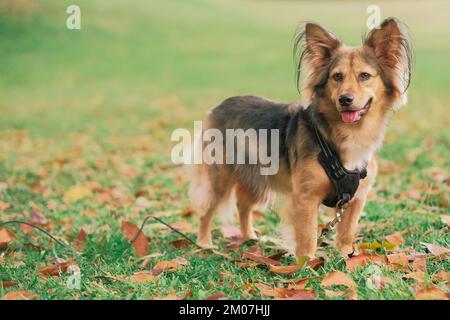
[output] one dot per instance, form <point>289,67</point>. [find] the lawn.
<point>85,123</point>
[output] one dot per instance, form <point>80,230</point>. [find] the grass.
<point>98,106</point>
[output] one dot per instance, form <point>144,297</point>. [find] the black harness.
<point>345,182</point>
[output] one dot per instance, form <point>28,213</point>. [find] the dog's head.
<point>352,82</point>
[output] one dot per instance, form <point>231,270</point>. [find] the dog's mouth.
<point>356,115</point>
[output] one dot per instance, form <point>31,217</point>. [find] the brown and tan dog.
<point>349,92</point>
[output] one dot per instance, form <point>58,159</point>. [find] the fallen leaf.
<point>316,263</point>
<point>80,241</point>
<point>419,264</point>
<point>364,259</point>
<point>337,278</point>
<point>259,258</point>
<point>216,296</point>
<point>435,249</point>
<point>442,275</point>
<point>140,245</point>
<point>419,276</point>
<point>169,266</point>
<point>285,269</point>
<point>400,259</point>
<point>396,238</point>
<point>432,293</point>
<point>19,295</point>
<point>55,269</point>
<point>77,193</point>
<point>6,237</point>
<point>142,276</point>
<point>349,294</point>
<point>7,284</point>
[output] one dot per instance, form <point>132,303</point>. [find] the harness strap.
<point>345,182</point>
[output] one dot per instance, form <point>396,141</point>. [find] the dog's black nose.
<point>346,99</point>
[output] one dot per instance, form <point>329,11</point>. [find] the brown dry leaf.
<point>435,249</point>
<point>399,259</point>
<point>442,275</point>
<point>6,237</point>
<point>349,294</point>
<point>7,284</point>
<point>80,241</point>
<point>19,295</point>
<point>396,238</point>
<point>140,245</point>
<point>337,278</point>
<point>432,293</point>
<point>216,296</point>
<point>419,276</point>
<point>285,293</point>
<point>261,259</point>
<point>363,259</point>
<point>419,264</point>
<point>169,266</point>
<point>286,269</point>
<point>55,269</point>
<point>316,263</point>
<point>142,276</point>
<point>290,294</point>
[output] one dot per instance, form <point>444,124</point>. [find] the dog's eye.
<point>337,76</point>
<point>364,76</point>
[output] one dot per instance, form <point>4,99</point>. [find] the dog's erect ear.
<point>313,48</point>
<point>320,44</point>
<point>392,48</point>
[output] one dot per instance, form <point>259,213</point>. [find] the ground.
<point>85,123</point>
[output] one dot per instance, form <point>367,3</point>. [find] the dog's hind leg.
<point>246,200</point>
<point>209,191</point>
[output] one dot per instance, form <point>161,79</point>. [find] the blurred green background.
<point>134,62</point>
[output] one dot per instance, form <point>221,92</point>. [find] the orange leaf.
<point>259,258</point>
<point>216,296</point>
<point>400,259</point>
<point>286,269</point>
<point>55,269</point>
<point>442,275</point>
<point>140,277</point>
<point>432,293</point>
<point>419,276</point>
<point>7,284</point>
<point>169,266</point>
<point>140,245</point>
<point>363,259</point>
<point>19,295</point>
<point>337,278</point>
<point>6,237</point>
<point>396,238</point>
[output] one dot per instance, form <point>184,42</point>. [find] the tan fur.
<point>384,57</point>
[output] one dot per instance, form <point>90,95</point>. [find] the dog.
<point>348,92</point>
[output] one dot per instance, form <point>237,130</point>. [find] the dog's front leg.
<point>347,228</point>
<point>302,213</point>
<point>309,186</point>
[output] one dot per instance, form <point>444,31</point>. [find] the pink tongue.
<point>349,116</point>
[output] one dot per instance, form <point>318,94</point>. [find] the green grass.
<point>98,105</point>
